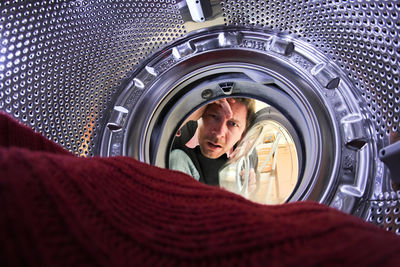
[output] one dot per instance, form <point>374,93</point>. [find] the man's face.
<point>217,133</point>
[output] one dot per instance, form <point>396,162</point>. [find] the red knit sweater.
<point>57,209</point>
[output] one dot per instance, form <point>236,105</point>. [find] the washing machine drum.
<point>119,78</point>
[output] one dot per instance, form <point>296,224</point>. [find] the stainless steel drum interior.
<point>64,66</point>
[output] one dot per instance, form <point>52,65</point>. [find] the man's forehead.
<point>239,109</point>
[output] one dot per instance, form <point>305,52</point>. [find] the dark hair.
<point>251,109</point>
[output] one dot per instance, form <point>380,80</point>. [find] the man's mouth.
<point>214,145</point>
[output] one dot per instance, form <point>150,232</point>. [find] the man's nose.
<point>219,129</point>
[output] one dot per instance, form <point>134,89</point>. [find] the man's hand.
<point>226,108</point>
<point>223,103</point>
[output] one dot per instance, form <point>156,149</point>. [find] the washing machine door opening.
<point>257,156</point>
<point>288,139</point>
<point>307,100</point>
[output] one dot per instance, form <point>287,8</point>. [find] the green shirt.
<point>180,161</point>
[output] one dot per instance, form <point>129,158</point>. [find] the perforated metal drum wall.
<point>61,62</point>
<point>362,37</point>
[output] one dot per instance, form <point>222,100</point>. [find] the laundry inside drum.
<point>263,165</point>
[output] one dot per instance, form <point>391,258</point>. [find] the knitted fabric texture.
<point>57,209</point>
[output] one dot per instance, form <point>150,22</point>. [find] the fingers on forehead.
<point>215,106</point>
<point>231,100</point>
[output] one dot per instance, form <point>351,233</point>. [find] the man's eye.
<point>214,116</point>
<point>233,124</point>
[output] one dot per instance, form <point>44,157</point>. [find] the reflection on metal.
<point>271,145</point>
<point>390,155</point>
<point>199,10</point>
<point>64,63</point>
